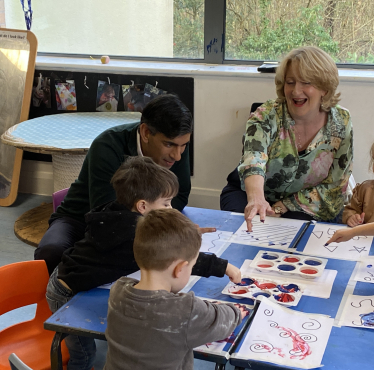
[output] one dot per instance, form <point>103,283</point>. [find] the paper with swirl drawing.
<point>286,337</point>
<point>358,312</point>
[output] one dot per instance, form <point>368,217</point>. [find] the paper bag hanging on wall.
<point>107,97</point>
<point>65,95</point>
<point>150,92</point>
<point>133,97</point>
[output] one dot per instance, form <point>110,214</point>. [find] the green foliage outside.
<point>272,43</point>
<point>268,29</point>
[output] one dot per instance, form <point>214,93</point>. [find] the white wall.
<point>109,27</point>
<point>221,108</point>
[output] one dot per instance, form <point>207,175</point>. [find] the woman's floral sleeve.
<point>260,131</point>
<point>325,200</point>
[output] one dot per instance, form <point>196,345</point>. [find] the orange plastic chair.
<point>16,363</point>
<point>22,284</point>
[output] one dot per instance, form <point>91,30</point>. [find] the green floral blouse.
<point>314,182</point>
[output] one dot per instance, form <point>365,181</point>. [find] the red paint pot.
<point>291,259</point>
<point>309,271</point>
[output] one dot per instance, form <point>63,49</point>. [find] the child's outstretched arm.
<point>233,273</point>
<point>347,234</point>
<point>211,322</point>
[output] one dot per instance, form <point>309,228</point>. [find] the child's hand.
<point>341,236</point>
<point>233,273</point>
<point>243,310</point>
<point>356,220</point>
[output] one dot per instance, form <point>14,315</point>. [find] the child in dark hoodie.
<point>106,252</point>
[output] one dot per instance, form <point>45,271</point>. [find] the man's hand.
<point>233,273</point>
<point>204,230</point>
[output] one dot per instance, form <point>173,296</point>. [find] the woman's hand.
<point>254,187</point>
<point>356,219</point>
<point>254,207</point>
<point>233,273</point>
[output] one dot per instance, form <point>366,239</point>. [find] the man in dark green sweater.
<point>163,134</point>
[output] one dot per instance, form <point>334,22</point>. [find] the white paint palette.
<point>282,292</point>
<point>289,264</point>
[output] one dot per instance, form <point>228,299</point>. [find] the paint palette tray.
<point>282,292</point>
<point>289,264</point>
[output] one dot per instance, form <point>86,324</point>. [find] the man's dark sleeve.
<point>209,265</point>
<point>182,171</point>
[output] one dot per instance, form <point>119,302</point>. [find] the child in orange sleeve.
<point>360,210</point>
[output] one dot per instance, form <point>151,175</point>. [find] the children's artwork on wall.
<point>286,337</point>
<point>275,232</point>
<point>66,98</point>
<point>133,97</point>
<point>352,250</point>
<point>223,347</point>
<point>358,312</point>
<point>107,97</point>
<point>150,92</point>
<point>41,91</point>
<point>216,242</point>
<point>365,271</point>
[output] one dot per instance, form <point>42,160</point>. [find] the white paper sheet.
<point>352,250</point>
<point>216,242</point>
<point>275,232</point>
<point>358,312</point>
<point>365,270</point>
<point>319,287</point>
<point>286,337</point>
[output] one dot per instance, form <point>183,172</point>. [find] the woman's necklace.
<point>298,137</point>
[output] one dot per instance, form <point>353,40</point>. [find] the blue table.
<point>86,313</point>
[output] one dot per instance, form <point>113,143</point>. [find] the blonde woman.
<point>298,148</point>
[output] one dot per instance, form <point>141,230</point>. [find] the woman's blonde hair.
<point>315,66</point>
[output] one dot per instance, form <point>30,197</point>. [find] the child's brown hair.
<point>371,163</point>
<point>141,178</point>
<point>164,236</point>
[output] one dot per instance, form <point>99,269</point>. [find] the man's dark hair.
<point>141,178</point>
<point>167,115</point>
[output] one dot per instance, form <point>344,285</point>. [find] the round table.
<point>67,137</point>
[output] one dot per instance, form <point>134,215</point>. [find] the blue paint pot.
<point>267,295</point>
<point>312,262</point>
<point>246,282</point>
<point>286,267</point>
<point>266,256</point>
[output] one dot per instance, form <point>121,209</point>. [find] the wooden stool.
<point>32,225</point>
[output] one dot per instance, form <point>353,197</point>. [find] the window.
<point>268,29</point>
<point>212,31</point>
<point>139,28</point>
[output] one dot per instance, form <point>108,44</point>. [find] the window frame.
<point>214,29</point>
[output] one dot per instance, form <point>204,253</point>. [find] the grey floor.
<point>13,250</point>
